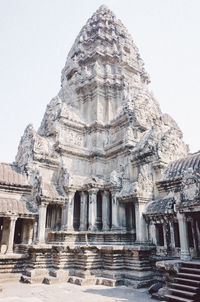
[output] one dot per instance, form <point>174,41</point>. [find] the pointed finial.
<point>103,7</point>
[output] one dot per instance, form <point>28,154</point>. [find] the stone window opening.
<point>130,216</point>
<point>176,234</point>
<point>76,215</point>
<point>190,234</point>
<point>53,217</point>
<point>110,210</point>
<point>99,222</point>
<point>159,234</point>
<point>87,212</point>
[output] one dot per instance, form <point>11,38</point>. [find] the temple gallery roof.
<point>178,167</point>
<point>11,175</point>
<point>161,206</point>
<point>11,206</point>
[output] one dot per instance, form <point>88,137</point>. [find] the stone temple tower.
<point>101,147</point>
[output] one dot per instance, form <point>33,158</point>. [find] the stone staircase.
<point>186,285</point>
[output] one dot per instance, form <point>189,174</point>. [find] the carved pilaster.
<point>42,222</point>
<point>185,250</point>
<point>83,211</point>
<point>115,211</point>
<point>11,234</point>
<point>141,226</point>
<point>92,210</point>
<point>70,211</point>
<point>64,216</point>
<point>105,210</point>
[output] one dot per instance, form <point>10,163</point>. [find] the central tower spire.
<point>102,68</point>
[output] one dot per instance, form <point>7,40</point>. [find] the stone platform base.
<point>84,265</point>
<point>12,266</point>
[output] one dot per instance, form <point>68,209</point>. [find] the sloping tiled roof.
<point>10,206</point>
<point>51,191</point>
<point>177,168</point>
<point>161,206</point>
<point>11,175</point>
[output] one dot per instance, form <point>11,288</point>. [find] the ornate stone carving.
<point>190,185</point>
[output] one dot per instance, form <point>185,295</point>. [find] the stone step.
<point>7,277</point>
<point>190,270</point>
<point>50,280</point>
<point>183,286</point>
<point>94,281</point>
<point>189,276</point>
<point>175,298</point>
<point>183,293</point>
<point>187,281</point>
<point>191,264</point>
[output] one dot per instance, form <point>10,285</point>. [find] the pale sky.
<point>36,36</point>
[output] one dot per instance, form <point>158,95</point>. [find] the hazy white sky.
<point>36,35</point>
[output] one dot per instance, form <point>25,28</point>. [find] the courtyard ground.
<point>66,292</point>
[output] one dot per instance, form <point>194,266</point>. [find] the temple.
<point>106,187</point>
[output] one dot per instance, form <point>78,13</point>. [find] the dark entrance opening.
<point>99,223</point>
<point>159,234</point>
<point>130,216</point>
<point>76,221</point>
<point>110,210</point>
<point>176,234</point>
<point>18,231</point>
<point>53,218</point>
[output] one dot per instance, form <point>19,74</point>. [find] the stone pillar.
<point>10,241</point>
<point>70,211</point>
<point>165,234</point>
<point>185,250</point>
<point>152,232</point>
<point>53,219</point>
<point>141,226</point>
<point>42,222</point>
<point>92,210</point>
<point>30,232</point>
<point>64,217</point>
<point>115,212</point>
<point>24,232</point>
<point>198,234</point>
<point>171,227</point>
<point>83,211</point>
<point>105,210</point>
<point>35,231</point>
